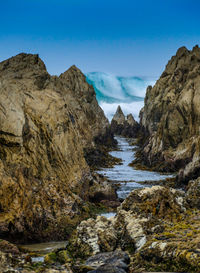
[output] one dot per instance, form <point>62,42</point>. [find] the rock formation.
<point>46,124</point>
<point>171,117</point>
<point>124,126</point>
<point>158,227</point>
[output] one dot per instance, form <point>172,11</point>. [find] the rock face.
<point>124,126</point>
<point>159,227</point>
<point>46,122</point>
<point>171,117</point>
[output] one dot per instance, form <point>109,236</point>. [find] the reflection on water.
<point>108,214</point>
<point>124,174</point>
<point>44,247</point>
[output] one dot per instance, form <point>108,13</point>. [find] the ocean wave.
<point>111,91</point>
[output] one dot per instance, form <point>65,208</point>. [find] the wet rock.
<point>108,260</point>
<point>124,126</point>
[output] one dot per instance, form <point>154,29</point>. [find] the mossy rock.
<point>50,258</point>
<point>63,257</point>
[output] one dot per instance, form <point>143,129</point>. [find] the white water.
<point>111,91</point>
<point>125,175</point>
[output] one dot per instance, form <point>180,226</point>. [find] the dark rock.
<point>116,261</point>
<point>124,126</point>
<point>193,194</point>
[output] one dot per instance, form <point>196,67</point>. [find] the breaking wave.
<point>111,91</point>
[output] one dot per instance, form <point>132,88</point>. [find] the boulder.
<point>92,237</point>
<point>116,261</point>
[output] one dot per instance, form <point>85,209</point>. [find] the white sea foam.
<point>111,91</point>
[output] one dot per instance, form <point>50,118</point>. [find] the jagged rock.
<point>46,124</point>
<point>124,126</point>
<point>141,213</point>
<point>119,116</point>
<point>93,236</point>
<point>155,225</point>
<point>170,117</point>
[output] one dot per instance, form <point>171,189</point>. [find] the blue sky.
<point>123,37</point>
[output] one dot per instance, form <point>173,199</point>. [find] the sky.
<point>122,37</point>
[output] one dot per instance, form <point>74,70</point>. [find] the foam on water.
<point>124,174</point>
<point>112,91</point>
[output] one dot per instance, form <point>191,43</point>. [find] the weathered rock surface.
<point>46,123</point>
<point>171,117</point>
<point>106,262</point>
<point>158,226</point>
<point>124,126</point>
<point>142,210</point>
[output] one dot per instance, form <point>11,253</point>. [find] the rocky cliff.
<point>171,117</point>
<point>46,123</point>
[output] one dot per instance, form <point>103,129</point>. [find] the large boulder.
<point>171,117</point>
<point>124,126</point>
<point>46,124</point>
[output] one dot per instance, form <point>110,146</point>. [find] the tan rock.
<point>171,116</point>
<point>124,126</point>
<point>46,122</point>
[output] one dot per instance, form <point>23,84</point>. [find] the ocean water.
<point>111,91</point>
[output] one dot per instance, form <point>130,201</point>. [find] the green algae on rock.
<point>156,226</point>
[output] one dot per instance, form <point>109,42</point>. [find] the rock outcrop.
<point>46,124</point>
<point>159,227</point>
<point>171,117</point>
<point>124,126</point>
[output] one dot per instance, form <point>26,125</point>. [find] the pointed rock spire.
<point>130,120</point>
<point>119,116</point>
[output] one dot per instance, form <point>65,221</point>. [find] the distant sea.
<point>111,91</point>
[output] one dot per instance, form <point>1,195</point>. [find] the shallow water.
<point>108,214</point>
<point>44,248</point>
<point>125,175</point>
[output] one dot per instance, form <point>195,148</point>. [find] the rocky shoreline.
<point>54,137</point>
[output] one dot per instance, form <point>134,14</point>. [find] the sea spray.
<point>113,90</point>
